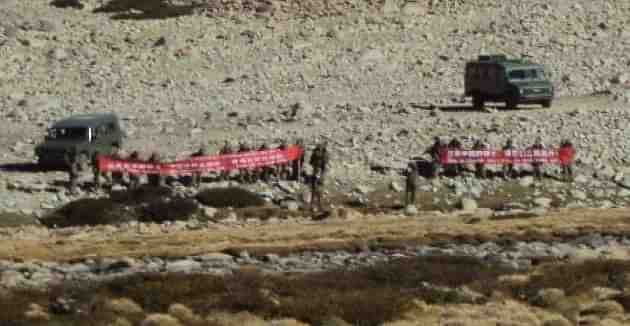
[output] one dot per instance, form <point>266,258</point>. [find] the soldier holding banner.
<point>508,169</point>
<point>134,178</point>
<point>537,166</point>
<point>435,151</point>
<point>196,176</point>
<point>566,148</point>
<point>411,184</point>
<point>480,169</point>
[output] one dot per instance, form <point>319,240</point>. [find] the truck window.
<point>68,133</point>
<point>524,74</point>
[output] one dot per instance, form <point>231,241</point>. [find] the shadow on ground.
<point>28,168</point>
<point>146,9</point>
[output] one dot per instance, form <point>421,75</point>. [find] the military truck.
<point>495,78</point>
<point>87,134</point>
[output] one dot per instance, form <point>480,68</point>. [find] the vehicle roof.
<point>86,120</point>
<point>507,63</point>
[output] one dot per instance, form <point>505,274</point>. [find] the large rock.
<point>183,266</point>
<point>468,204</point>
<point>542,202</point>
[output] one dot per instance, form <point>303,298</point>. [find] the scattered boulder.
<point>527,181</point>
<point>229,197</point>
<point>468,204</point>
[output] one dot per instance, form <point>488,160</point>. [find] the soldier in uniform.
<point>283,168</point>
<point>567,168</point>
<point>96,171</point>
<point>508,169</point>
<point>196,176</point>
<point>456,145</point>
<point>155,179</point>
<point>317,182</point>
<point>537,166</point>
<point>480,169</point>
<point>265,171</point>
<point>73,166</point>
<point>226,150</point>
<point>244,173</point>
<point>434,152</point>
<point>134,178</point>
<point>298,163</point>
<point>324,159</point>
<point>117,176</point>
<point>411,184</point>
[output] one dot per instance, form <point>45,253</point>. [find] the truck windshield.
<point>525,74</point>
<point>68,133</point>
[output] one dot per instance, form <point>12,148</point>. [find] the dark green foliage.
<point>89,211</point>
<point>162,210</point>
<point>229,197</point>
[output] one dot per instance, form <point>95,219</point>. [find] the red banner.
<point>562,156</point>
<point>211,163</point>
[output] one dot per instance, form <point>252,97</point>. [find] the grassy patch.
<point>12,219</point>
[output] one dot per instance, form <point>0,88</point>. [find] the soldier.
<point>117,176</point>
<point>96,171</point>
<point>314,160</point>
<point>244,173</point>
<point>226,150</point>
<point>567,167</point>
<point>435,151</point>
<point>456,145</point>
<point>411,184</point>
<point>196,176</point>
<point>508,169</point>
<point>480,168</point>
<point>283,168</point>
<point>298,163</point>
<point>265,171</point>
<point>134,178</point>
<point>72,164</point>
<point>537,166</point>
<point>155,179</point>
<point>324,159</point>
<point>317,182</point>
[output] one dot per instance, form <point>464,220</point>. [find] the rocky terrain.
<point>376,79</point>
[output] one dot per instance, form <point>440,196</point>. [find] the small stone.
<point>542,202</point>
<point>411,210</point>
<point>578,194</point>
<point>468,204</point>
<point>527,181</point>
<point>210,212</point>
<point>396,187</point>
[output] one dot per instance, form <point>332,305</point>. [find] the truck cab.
<point>494,78</point>
<point>86,134</point>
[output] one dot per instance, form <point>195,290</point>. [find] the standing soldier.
<point>283,168</point>
<point>244,173</point>
<point>72,164</point>
<point>456,145</point>
<point>96,171</point>
<point>298,163</point>
<point>155,179</point>
<point>226,150</point>
<point>117,176</point>
<point>196,176</point>
<point>314,160</point>
<point>537,166</point>
<point>134,177</point>
<point>324,159</point>
<point>434,151</point>
<point>264,171</point>
<point>508,169</point>
<point>567,167</point>
<point>411,184</point>
<point>480,168</point>
<point>317,182</point>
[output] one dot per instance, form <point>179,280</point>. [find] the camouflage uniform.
<point>117,176</point>
<point>244,173</point>
<point>155,179</point>
<point>315,160</point>
<point>411,184</point>
<point>226,150</point>
<point>317,182</point>
<point>134,178</point>
<point>196,176</point>
<point>455,144</point>
<point>73,167</point>
<point>265,171</point>
<point>298,163</point>
<point>96,171</point>
<point>537,166</point>
<point>480,168</point>
<point>508,169</point>
<point>283,168</point>
<point>434,151</point>
<point>567,169</point>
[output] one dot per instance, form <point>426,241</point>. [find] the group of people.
<point>319,161</point>
<point>508,171</point>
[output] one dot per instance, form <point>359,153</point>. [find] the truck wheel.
<point>478,102</point>
<point>546,104</point>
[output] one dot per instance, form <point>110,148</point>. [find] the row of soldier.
<point>319,161</point>
<point>508,171</point>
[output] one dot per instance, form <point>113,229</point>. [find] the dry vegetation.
<point>370,296</point>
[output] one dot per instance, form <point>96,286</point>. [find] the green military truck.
<point>87,134</point>
<point>494,78</point>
